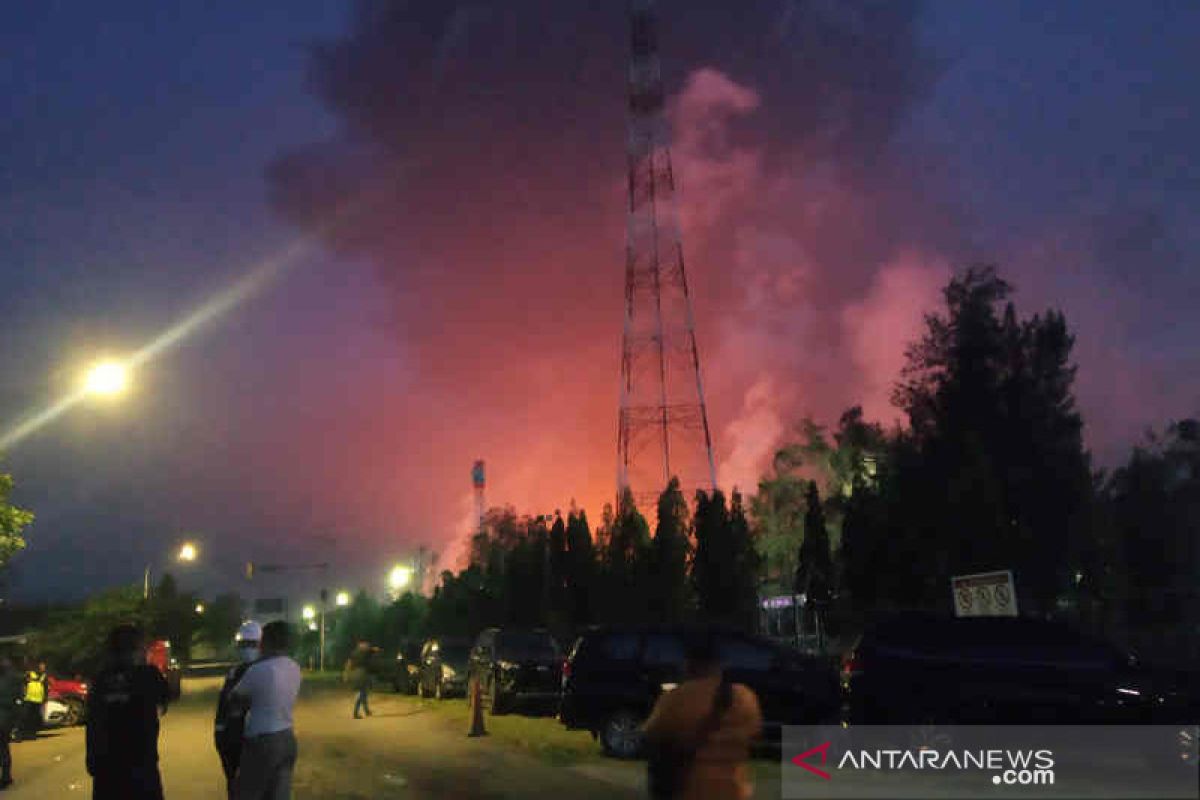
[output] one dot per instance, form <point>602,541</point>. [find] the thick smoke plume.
<point>481,147</point>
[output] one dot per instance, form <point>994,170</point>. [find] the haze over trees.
<point>989,473</point>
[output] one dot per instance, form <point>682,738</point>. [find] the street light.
<point>309,613</point>
<point>342,599</point>
<point>199,608</point>
<point>107,379</point>
<point>399,577</point>
<point>188,552</point>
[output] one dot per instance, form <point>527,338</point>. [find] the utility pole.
<point>324,602</point>
<point>662,429</point>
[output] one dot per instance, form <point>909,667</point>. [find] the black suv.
<point>614,675</point>
<point>443,671</point>
<point>516,668</point>
<point>923,669</point>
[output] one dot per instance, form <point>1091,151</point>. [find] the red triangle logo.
<point>823,750</point>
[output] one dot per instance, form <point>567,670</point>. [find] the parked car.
<point>931,672</point>
<point>917,668</point>
<point>72,695</point>
<point>158,655</point>
<point>516,668</point>
<point>615,674</point>
<point>444,666</point>
<point>402,671</point>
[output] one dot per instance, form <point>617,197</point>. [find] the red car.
<point>72,694</point>
<point>158,655</point>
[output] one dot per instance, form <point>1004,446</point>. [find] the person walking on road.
<point>358,673</point>
<point>699,734</point>
<point>11,691</point>
<point>36,689</point>
<point>125,700</point>
<point>229,725</point>
<point>269,688</point>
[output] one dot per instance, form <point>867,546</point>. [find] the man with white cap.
<point>231,714</point>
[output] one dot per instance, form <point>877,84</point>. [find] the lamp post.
<point>188,552</point>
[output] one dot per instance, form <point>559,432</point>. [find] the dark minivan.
<point>614,676</point>
<point>927,669</point>
<point>517,668</point>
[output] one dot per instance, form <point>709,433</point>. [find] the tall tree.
<point>1002,479</point>
<point>668,585</point>
<point>581,570</point>
<point>1155,501</point>
<point>714,557</point>
<point>626,564</point>
<point>13,522</point>
<point>744,568</point>
<point>220,621</point>
<point>815,573</point>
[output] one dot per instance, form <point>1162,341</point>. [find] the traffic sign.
<point>985,594</point>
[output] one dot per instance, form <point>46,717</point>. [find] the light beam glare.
<point>223,302</point>
<point>236,294</point>
<point>246,287</point>
<point>40,419</point>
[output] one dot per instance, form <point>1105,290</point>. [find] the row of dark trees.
<point>71,640</point>
<point>990,472</point>
<point>561,574</point>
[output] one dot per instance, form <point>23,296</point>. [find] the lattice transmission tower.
<point>662,429</point>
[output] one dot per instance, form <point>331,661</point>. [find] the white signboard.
<point>988,594</point>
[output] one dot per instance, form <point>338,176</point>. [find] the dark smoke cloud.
<point>481,148</point>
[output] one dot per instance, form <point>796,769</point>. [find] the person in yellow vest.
<point>36,686</point>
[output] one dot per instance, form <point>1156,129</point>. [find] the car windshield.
<point>526,646</point>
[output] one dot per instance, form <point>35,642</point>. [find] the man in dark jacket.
<point>229,726</point>
<point>11,691</point>
<point>125,701</point>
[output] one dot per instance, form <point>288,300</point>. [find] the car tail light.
<point>851,664</point>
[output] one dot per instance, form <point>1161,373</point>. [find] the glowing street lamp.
<point>188,552</point>
<point>399,577</point>
<point>199,608</point>
<point>342,599</point>
<point>309,613</point>
<point>107,379</point>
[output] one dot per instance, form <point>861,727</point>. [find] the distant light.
<point>188,552</point>
<point>308,612</point>
<point>342,599</point>
<point>399,577</point>
<point>312,626</point>
<point>199,608</point>
<point>107,379</point>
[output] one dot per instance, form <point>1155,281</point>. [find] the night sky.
<point>460,168</point>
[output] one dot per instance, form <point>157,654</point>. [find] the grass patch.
<point>544,737</point>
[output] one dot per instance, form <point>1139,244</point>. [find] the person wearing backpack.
<point>699,734</point>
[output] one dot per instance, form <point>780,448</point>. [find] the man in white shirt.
<point>269,688</point>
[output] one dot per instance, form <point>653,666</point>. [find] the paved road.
<point>404,751</point>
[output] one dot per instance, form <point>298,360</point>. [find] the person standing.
<point>358,672</point>
<point>36,689</point>
<point>125,700</point>
<point>229,725</point>
<point>269,687</point>
<point>10,699</point>
<point>704,728</point>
